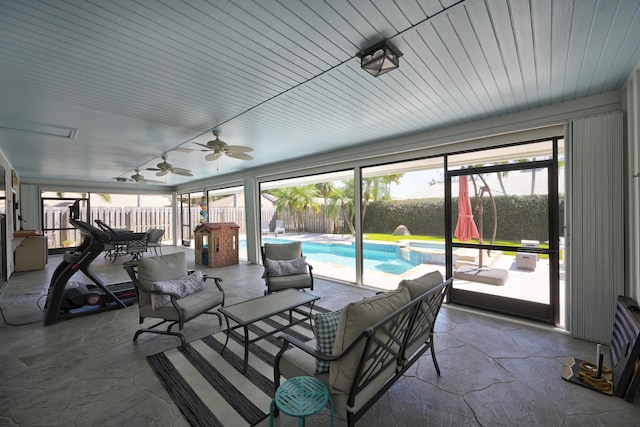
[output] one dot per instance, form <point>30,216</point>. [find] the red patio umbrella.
<point>466,227</point>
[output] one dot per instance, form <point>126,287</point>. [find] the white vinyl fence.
<point>140,219</point>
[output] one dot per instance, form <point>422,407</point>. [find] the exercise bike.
<point>67,299</point>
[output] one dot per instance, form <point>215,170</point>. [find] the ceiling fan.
<point>164,168</point>
<point>220,147</point>
<point>138,178</point>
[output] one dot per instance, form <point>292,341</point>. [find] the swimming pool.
<point>377,257</point>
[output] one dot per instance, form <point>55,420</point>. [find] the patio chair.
<point>154,239</point>
<point>279,227</point>
<point>136,245</point>
<point>285,267</point>
<point>167,291</point>
<point>264,226</point>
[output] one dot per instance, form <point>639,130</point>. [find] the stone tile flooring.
<point>87,371</point>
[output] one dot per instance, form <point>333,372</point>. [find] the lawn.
<point>392,238</point>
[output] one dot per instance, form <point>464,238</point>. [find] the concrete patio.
<point>87,371</point>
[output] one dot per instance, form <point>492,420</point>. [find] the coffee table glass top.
<point>250,311</point>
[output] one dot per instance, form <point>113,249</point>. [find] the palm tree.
<point>306,201</point>
<point>377,188</point>
<point>285,199</point>
<point>296,201</point>
<point>324,189</point>
<point>341,203</point>
<point>373,189</point>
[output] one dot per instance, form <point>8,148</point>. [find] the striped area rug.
<point>210,389</point>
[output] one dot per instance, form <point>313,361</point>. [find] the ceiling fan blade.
<point>181,171</point>
<point>203,145</point>
<point>241,156</point>
<point>162,172</point>
<point>154,169</point>
<point>238,148</point>
<point>185,150</point>
<point>213,156</point>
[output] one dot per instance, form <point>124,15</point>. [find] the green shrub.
<point>519,217</point>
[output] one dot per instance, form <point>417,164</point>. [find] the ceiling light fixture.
<point>380,58</point>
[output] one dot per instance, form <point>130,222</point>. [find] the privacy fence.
<point>134,219</point>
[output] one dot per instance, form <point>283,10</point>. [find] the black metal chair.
<point>154,239</point>
<point>282,253</point>
<point>146,275</point>
<point>136,246</point>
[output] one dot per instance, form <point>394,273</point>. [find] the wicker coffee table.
<point>247,312</point>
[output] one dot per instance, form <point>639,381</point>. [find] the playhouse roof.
<point>210,226</point>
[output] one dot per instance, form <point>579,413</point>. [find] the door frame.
<point>547,313</point>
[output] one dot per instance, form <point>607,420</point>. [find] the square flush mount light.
<point>380,58</point>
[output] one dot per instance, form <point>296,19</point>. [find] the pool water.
<point>345,255</point>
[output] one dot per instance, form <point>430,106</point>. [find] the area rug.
<point>210,389</point>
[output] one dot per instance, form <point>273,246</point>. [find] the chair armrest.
<point>216,280</point>
<point>171,294</point>
<point>290,340</point>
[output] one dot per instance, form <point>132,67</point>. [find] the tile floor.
<point>87,371</point>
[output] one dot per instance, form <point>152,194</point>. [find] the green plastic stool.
<point>301,397</point>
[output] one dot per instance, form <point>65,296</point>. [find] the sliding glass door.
<point>189,216</point>
<point>319,211</point>
<point>503,231</point>
<point>402,221</point>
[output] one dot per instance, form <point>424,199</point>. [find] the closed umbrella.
<point>466,227</point>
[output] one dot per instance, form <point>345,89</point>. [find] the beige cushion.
<point>418,287</point>
<point>422,284</point>
<point>297,281</point>
<point>154,269</point>
<point>356,317</point>
<point>296,362</point>
<point>189,306</point>
<point>283,251</point>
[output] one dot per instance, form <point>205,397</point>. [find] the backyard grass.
<point>392,238</point>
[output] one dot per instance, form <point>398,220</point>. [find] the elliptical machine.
<point>64,299</point>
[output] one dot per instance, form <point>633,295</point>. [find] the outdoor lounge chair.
<point>167,291</point>
<point>285,267</point>
<point>264,226</point>
<point>279,227</point>
<point>154,238</point>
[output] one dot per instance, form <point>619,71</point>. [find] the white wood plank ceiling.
<point>91,90</point>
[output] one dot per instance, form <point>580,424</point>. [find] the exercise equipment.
<point>67,299</point>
